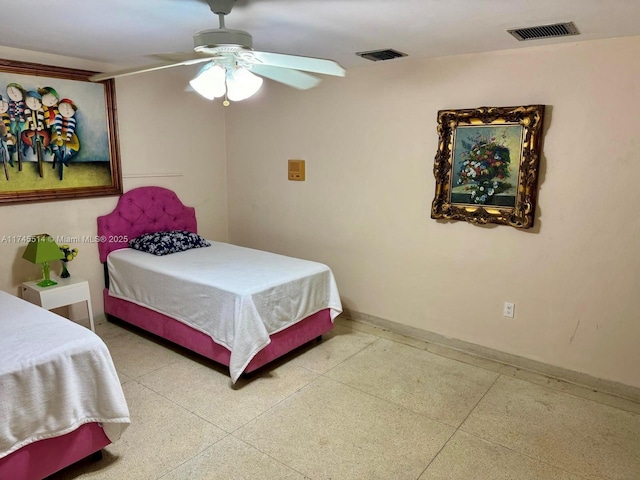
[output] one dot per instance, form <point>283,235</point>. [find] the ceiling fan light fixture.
<point>210,81</point>
<point>232,69</point>
<point>242,84</point>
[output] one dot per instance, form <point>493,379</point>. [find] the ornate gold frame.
<point>528,120</point>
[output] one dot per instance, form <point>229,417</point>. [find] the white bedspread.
<point>55,375</point>
<point>238,296</point>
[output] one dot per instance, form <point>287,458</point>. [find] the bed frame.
<point>45,457</point>
<point>153,209</point>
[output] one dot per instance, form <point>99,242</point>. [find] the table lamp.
<point>42,249</point>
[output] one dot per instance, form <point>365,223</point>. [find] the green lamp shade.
<point>42,249</point>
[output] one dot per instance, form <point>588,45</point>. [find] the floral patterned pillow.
<point>164,243</point>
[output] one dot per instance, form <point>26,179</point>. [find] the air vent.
<point>378,55</point>
<point>544,31</point>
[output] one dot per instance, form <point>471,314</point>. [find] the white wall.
<point>369,141</point>
<point>163,130</point>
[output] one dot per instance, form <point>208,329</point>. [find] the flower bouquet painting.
<point>486,161</point>
<point>486,165</point>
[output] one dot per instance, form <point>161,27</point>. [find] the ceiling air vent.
<point>378,55</point>
<point>544,31</point>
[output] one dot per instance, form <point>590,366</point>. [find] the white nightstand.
<point>68,291</point>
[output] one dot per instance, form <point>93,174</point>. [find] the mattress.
<point>55,376</point>
<point>236,295</point>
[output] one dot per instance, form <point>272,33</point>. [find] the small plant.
<point>69,254</point>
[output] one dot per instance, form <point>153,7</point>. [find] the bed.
<point>60,397</point>
<point>240,307</point>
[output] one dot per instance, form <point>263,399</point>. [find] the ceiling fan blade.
<point>149,68</point>
<point>307,64</point>
<point>179,56</point>
<point>293,78</point>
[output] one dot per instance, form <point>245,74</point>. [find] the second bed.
<point>238,306</point>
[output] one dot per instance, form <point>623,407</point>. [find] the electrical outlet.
<point>509,309</point>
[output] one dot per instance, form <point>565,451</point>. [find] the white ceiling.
<point>126,32</point>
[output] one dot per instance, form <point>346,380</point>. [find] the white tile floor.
<point>363,404</point>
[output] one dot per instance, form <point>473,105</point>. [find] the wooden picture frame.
<point>486,166</point>
<point>58,134</point>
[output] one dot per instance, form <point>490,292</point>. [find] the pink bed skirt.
<point>45,457</point>
<point>177,332</point>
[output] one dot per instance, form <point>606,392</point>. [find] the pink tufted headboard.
<point>143,210</point>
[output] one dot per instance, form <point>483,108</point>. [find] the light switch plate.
<point>296,170</point>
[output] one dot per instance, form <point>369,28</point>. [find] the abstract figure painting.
<point>486,167</point>
<point>58,134</point>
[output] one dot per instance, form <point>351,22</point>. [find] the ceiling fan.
<point>232,68</point>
